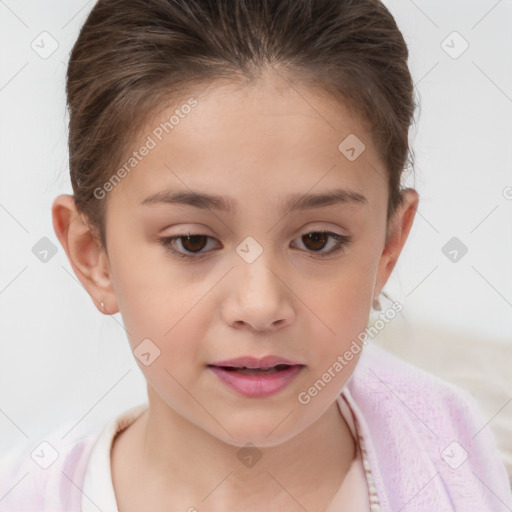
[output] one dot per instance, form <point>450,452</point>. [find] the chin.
<point>257,433</point>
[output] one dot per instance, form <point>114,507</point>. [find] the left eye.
<point>315,241</point>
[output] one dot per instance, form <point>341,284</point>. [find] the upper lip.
<point>255,362</point>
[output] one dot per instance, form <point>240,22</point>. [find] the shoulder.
<point>46,474</point>
<point>383,378</point>
<point>425,421</point>
<point>391,378</point>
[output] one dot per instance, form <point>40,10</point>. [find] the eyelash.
<point>168,243</point>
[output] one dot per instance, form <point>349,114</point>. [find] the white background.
<point>61,360</point>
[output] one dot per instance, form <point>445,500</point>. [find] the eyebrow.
<point>292,203</point>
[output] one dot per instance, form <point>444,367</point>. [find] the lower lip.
<point>257,386</point>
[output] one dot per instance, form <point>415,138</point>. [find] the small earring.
<point>376,304</point>
<point>103,305</point>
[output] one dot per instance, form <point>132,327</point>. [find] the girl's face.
<point>253,284</point>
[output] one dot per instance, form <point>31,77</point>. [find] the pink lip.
<point>256,386</point>
<point>255,362</point>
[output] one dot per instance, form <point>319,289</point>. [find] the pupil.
<point>316,237</point>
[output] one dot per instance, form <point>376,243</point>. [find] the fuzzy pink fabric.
<point>429,449</point>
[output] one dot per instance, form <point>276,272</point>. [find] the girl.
<point>236,169</point>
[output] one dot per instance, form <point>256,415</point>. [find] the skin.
<point>256,144</point>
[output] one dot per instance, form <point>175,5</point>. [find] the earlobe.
<point>400,227</point>
<point>88,260</point>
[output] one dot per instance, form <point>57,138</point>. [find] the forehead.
<point>270,137</point>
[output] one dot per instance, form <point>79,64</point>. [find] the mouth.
<point>244,370</point>
<point>251,362</point>
<point>256,378</point>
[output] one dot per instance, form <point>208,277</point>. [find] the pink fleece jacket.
<point>428,448</point>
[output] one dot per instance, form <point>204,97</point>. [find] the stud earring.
<point>103,305</point>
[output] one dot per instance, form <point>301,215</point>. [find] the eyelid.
<point>341,242</point>
<point>168,242</point>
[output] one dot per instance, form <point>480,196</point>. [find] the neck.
<point>308,468</point>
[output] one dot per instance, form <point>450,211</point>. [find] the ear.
<point>399,228</point>
<point>83,249</point>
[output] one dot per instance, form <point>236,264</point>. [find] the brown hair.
<point>133,56</point>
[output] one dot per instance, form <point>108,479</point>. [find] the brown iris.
<point>318,239</point>
<point>194,243</point>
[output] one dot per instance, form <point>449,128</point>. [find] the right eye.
<point>192,245</point>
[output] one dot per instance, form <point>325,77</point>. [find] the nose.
<point>259,298</point>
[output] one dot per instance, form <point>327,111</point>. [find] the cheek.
<point>169,318</point>
<point>167,345</point>
<point>159,307</point>
<point>343,306</point>
<point>346,302</point>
